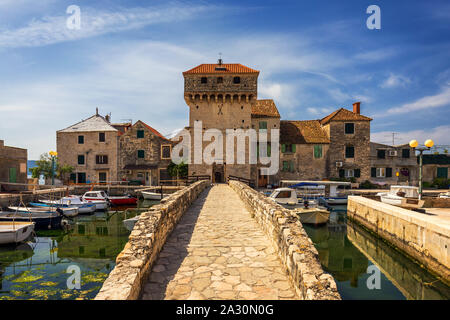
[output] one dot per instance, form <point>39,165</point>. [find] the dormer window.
<point>204,80</point>
<point>236,80</point>
<point>219,80</point>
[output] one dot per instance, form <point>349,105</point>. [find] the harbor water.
<point>39,268</point>
<point>355,257</point>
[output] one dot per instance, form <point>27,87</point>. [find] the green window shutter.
<point>80,159</point>
<point>263,124</point>
<point>341,173</point>
<point>293,147</point>
<point>291,163</point>
<point>388,172</point>
<point>141,154</point>
<point>442,173</point>
<point>373,172</point>
<point>318,151</point>
<point>12,175</point>
<point>268,150</point>
<point>283,148</point>
<point>140,134</point>
<point>357,173</point>
<point>257,150</point>
<point>285,166</point>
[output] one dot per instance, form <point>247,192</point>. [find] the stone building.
<point>336,146</point>
<point>435,166</point>
<point>13,166</point>
<point>144,155</point>
<point>221,97</point>
<point>393,164</point>
<point>91,148</point>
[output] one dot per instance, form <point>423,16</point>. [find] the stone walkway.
<point>218,251</point>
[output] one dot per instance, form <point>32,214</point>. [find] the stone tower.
<point>221,97</point>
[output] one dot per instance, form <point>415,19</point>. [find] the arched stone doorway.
<point>218,173</point>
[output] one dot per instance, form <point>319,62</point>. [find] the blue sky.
<point>314,57</point>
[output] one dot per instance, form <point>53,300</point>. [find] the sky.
<point>314,57</point>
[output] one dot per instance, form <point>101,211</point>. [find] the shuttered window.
<point>341,173</point>
<point>81,159</point>
<point>141,154</point>
<point>318,151</point>
<point>381,154</point>
<point>140,134</point>
<point>263,124</point>
<point>101,159</point>
<point>442,173</point>
<point>357,173</point>
<point>405,153</point>
<point>349,152</point>
<point>101,137</point>
<point>349,128</point>
<point>80,139</point>
<point>373,172</point>
<point>388,172</point>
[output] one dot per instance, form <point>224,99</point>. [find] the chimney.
<point>219,62</point>
<point>96,111</point>
<point>357,107</point>
<point>107,118</point>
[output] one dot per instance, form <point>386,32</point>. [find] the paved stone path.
<point>218,251</point>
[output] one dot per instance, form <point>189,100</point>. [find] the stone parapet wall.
<point>294,247</point>
<point>420,236</point>
<point>150,232</point>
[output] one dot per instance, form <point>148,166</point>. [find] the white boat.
<point>72,202</point>
<point>153,195</point>
<point>68,212</point>
<point>327,192</point>
<point>398,194</point>
<point>15,232</point>
<point>310,213</point>
<point>113,200</point>
<point>99,198</point>
<point>445,195</point>
<point>129,223</point>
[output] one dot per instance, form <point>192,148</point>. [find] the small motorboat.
<point>15,231</point>
<point>129,223</point>
<point>328,193</point>
<point>445,195</point>
<point>114,200</point>
<point>308,212</point>
<point>147,195</point>
<point>69,202</point>
<point>42,220</point>
<point>397,195</point>
<point>68,212</point>
<point>313,216</point>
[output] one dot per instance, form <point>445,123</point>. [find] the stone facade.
<point>13,166</point>
<point>150,232</point>
<point>144,155</point>
<point>91,148</point>
<point>386,161</point>
<point>435,166</point>
<point>294,247</point>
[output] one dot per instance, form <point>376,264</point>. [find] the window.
<point>357,173</point>
<point>283,195</point>
<point>381,172</point>
<point>288,148</point>
<point>101,159</point>
<point>73,178</point>
<point>204,80</point>
<point>101,137</point>
<point>165,152</point>
<point>164,175</point>
<point>236,80</point>
<point>442,172</point>
<point>350,173</point>
<point>263,125</point>
<point>318,151</point>
<point>81,177</point>
<point>219,80</point>
<point>81,159</point>
<point>381,154</point>
<point>388,172</point>
<point>12,175</point>
<point>288,166</point>
<point>349,128</point>
<point>349,152</point>
<point>140,134</point>
<point>80,139</point>
<point>405,153</point>
<point>141,154</point>
<point>102,177</point>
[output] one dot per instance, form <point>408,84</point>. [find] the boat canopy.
<point>317,183</point>
<point>304,184</point>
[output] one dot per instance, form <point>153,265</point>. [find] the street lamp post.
<point>53,154</point>
<point>414,144</point>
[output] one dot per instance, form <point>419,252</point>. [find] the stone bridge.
<point>218,242</point>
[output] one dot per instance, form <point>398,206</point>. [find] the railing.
<point>249,182</point>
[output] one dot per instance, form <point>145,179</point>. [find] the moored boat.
<point>69,202</point>
<point>147,195</point>
<point>68,212</point>
<point>15,231</point>
<point>398,194</point>
<point>313,216</point>
<point>42,220</point>
<point>114,200</point>
<point>129,223</point>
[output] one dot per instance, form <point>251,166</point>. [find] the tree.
<point>177,170</point>
<point>44,167</point>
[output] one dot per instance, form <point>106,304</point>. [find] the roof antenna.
<point>96,111</point>
<point>220,59</point>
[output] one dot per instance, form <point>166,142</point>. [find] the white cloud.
<point>395,80</point>
<point>440,135</point>
<point>53,29</point>
<point>320,111</point>
<point>439,100</point>
<point>376,55</point>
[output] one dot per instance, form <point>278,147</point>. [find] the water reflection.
<point>37,270</point>
<point>346,251</point>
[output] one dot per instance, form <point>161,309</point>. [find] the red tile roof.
<point>302,132</point>
<point>224,68</point>
<point>265,108</point>
<point>344,115</point>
